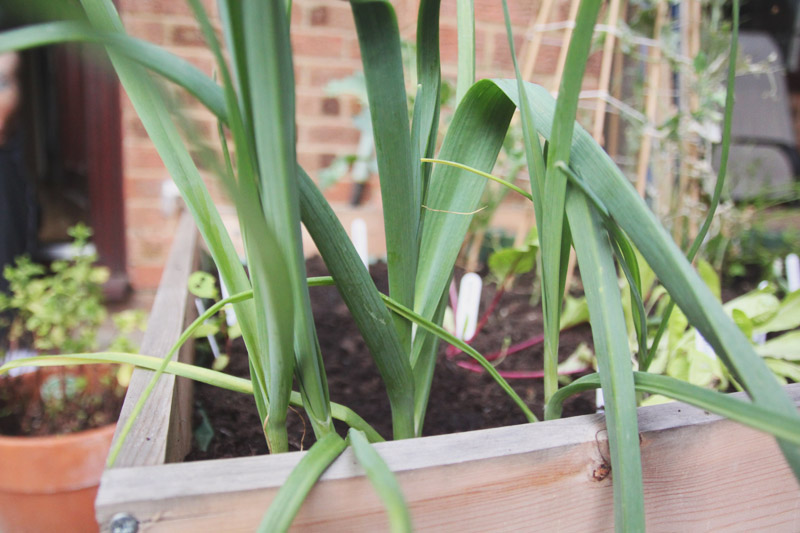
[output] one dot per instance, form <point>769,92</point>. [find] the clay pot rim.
<point>45,441</point>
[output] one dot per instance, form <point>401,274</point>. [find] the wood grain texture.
<point>161,432</point>
<point>701,473</point>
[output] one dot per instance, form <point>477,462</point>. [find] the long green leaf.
<point>741,411</point>
<point>155,117</point>
<point>147,54</point>
<point>363,300</point>
<point>244,191</point>
<point>271,81</point>
<point>429,77</point>
<point>293,492</point>
<point>474,139</point>
<point>379,41</point>
<point>609,331</point>
<point>383,480</point>
<point>465,16</point>
<point>555,186</point>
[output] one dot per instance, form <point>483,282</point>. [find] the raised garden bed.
<point>701,473</point>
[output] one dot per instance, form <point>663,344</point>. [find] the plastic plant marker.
<point>793,272</point>
<point>23,353</point>
<point>760,337</point>
<point>358,234</point>
<point>599,400</point>
<point>170,198</point>
<point>212,341</point>
<point>702,344</point>
<point>230,313</point>
<point>469,299</point>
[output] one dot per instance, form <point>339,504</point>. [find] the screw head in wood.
<point>124,523</point>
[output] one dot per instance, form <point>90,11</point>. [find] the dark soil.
<point>76,399</point>
<point>460,400</point>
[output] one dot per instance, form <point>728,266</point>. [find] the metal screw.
<point>124,523</point>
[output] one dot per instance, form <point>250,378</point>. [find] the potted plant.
<point>56,423</point>
<point>426,209</point>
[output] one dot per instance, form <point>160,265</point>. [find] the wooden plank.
<point>701,473</point>
<point>160,428</point>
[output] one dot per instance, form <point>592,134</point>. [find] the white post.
<point>230,314</point>
<point>358,234</point>
<point>793,272</point>
<point>469,300</point>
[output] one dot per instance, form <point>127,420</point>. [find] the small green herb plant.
<point>579,196</point>
<point>59,310</point>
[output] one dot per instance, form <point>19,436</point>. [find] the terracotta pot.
<point>50,483</point>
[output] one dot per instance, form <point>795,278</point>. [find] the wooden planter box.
<point>701,473</point>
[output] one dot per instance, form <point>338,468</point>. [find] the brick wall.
<point>325,48</point>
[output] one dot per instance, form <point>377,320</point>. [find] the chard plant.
<point>579,196</point>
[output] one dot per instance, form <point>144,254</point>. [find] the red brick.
<point>520,11</point>
<point>332,15</point>
<point>203,61</point>
<point>325,160</point>
<point>150,250</point>
<point>134,127</point>
<point>448,43</point>
<point>352,49</point>
<point>594,63</point>
<point>310,43</point>
<point>149,188</point>
<point>306,105</point>
<point>147,30</point>
<point>298,14</point>
<point>148,215</point>
<point>502,55</point>
<point>321,76</point>
<point>339,192</point>
<point>187,35</point>
<point>319,16</point>
<point>163,7</point>
<point>330,106</point>
<point>142,157</point>
<point>325,134</point>
<point>308,160</point>
<point>144,277</point>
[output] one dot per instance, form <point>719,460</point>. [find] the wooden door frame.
<point>104,171</point>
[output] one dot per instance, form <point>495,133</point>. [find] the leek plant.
<point>579,196</point>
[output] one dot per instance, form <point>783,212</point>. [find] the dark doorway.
<point>73,146</point>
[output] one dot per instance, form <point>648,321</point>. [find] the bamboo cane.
<point>653,85</point>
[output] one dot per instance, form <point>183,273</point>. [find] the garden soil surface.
<point>95,402</point>
<point>461,400</point>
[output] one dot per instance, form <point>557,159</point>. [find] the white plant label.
<point>469,300</point>
<point>702,345</point>
<point>760,338</point>
<point>230,314</point>
<point>358,234</point>
<point>170,197</point>
<point>198,303</point>
<point>599,400</point>
<point>11,355</point>
<point>793,272</point>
